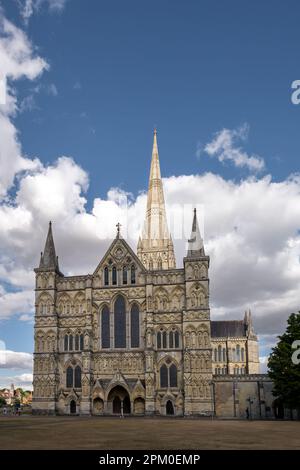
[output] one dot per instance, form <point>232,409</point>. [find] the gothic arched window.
<point>163,376</point>
<point>135,326</point>
<point>69,377</point>
<point>173,375</point>
<point>66,343</point>
<point>106,276</point>
<point>243,354</point>
<point>132,277</point>
<point>164,339</point>
<point>71,343</point>
<point>219,353</point>
<point>105,328</point>
<point>114,276</point>
<point>77,377</point>
<point>176,339</point>
<point>120,322</point>
<point>124,274</point>
<point>171,339</point>
<point>81,342</point>
<point>238,352</point>
<point>159,340</point>
<point>215,355</point>
<point>224,355</point>
<point>76,343</point>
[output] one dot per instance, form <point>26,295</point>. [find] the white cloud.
<point>263,364</point>
<point>16,303</point>
<point>30,7</point>
<point>15,360</point>
<point>224,147</point>
<point>52,89</point>
<point>23,380</point>
<point>18,59</point>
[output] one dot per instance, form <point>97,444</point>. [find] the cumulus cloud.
<point>22,380</point>
<point>224,146</point>
<point>254,259</point>
<point>18,60</point>
<point>15,360</point>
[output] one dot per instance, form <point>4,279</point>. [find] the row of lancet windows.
<point>167,373</point>
<point>119,331</point>
<point>166,340</point>
<point>128,275</point>
<point>238,354</point>
<point>73,343</point>
<point>224,370</point>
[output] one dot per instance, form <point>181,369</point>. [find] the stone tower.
<point>155,247</point>
<point>46,376</point>
<point>196,327</point>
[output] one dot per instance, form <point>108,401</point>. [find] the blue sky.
<point>115,71</point>
<point>190,68</point>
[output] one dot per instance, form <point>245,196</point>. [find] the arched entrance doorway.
<point>72,407</point>
<point>119,401</point>
<point>116,406</point>
<point>169,408</point>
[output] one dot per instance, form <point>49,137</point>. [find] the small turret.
<point>49,260</point>
<point>195,243</point>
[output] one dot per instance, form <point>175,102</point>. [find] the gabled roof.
<point>112,248</point>
<point>228,329</point>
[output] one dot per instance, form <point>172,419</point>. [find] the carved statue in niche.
<point>86,341</point>
<point>193,339</point>
<point>176,302</point>
<point>189,271</point>
<point>187,339</point>
<point>149,338</point>
<point>187,361</point>
<point>196,271</point>
<point>149,362</point>
<point>203,271</point>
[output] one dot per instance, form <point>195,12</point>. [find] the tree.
<point>2,401</point>
<point>282,370</point>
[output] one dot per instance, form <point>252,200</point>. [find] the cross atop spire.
<point>49,259</point>
<point>195,247</point>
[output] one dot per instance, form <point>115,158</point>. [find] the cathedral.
<point>136,336</point>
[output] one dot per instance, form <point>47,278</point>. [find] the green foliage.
<point>2,401</point>
<point>285,374</point>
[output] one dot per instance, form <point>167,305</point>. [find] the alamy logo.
<point>296,354</point>
<point>295,97</point>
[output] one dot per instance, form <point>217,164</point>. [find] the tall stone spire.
<point>49,260</point>
<point>155,248</point>
<point>195,243</point>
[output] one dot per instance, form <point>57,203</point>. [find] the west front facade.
<point>136,336</point>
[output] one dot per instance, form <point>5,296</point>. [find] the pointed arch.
<point>135,326</point>
<point>120,322</point>
<point>105,327</point>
